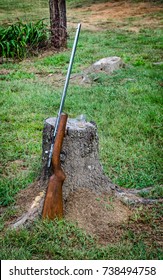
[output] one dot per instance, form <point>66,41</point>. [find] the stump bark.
<point>79,157</point>
<point>81,164</point>
<point>79,161</point>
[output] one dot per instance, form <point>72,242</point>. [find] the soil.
<point>24,199</point>
<point>115,14</point>
<point>102,216</point>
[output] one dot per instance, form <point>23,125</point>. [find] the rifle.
<point>53,204</point>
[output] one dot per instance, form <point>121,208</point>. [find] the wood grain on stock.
<point>53,204</point>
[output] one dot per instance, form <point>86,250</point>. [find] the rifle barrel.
<point>64,92</point>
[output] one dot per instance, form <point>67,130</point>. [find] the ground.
<point>116,13</point>
<point>102,215</point>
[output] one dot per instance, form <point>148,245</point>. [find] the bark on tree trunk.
<point>58,23</point>
<point>79,157</point>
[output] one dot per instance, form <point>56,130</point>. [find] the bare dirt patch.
<point>4,72</point>
<point>103,216</point>
<point>111,14</point>
<point>100,215</point>
<point>26,196</point>
<point>23,201</point>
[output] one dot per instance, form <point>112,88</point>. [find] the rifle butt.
<point>53,203</point>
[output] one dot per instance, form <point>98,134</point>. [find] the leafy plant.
<point>20,39</point>
<point>126,107</point>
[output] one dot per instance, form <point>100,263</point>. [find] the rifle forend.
<point>53,204</point>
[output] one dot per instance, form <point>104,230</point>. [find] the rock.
<point>158,63</point>
<point>108,65</point>
<point>90,75</point>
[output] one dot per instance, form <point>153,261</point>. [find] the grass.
<point>62,240</point>
<point>11,11</point>
<point>127,107</point>
<point>85,3</point>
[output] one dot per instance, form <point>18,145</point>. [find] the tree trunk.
<point>58,23</point>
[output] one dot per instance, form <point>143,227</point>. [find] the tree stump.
<point>79,157</point>
<point>80,162</point>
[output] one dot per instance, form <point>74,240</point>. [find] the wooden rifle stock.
<point>53,204</point>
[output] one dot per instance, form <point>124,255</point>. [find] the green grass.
<point>127,107</point>
<point>63,240</point>
<point>85,3</point>
<point>27,10</point>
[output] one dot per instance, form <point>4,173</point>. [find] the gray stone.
<point>158,63</point>
<point>90,75</point>
<point>107,64</point>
